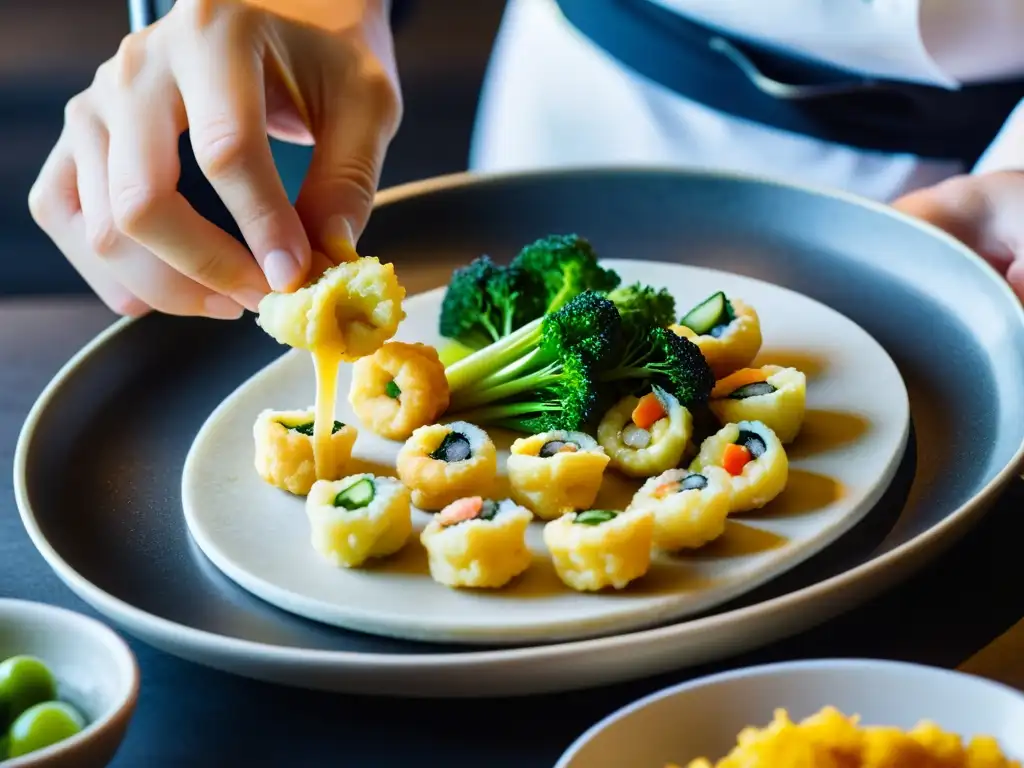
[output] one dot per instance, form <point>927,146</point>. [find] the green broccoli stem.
<point>502,415</point>
<point>532,382</point>
<point>470,370</point>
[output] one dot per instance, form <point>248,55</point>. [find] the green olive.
<point>24,681</point>
<point>41,726</point>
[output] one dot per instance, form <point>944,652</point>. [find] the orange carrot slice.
<point>738,379</point>
<point>648,411</point>
<point>735,458</point>
<point>665,489</point>
<point>461,509</point>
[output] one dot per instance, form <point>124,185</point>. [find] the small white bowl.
<point>95,670</point>
<point>702,718</point>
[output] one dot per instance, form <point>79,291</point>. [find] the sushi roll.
<point>770,394</point>
<point>284,450</point>
<point>358,518</point>
<point>644,436</point>
<point>399,388</point>
<point>556,472</point>
<point>444,462</point>
<point>690,508</point>
<point>477,542</point>
<point>754,458</point>
<point>727,331</point>
<point>599,548</point>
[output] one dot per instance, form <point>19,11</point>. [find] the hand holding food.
<point>231,74</point>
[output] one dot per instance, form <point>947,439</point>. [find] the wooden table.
<point>192,716</point>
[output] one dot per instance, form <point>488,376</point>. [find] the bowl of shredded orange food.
<point>817,714</point>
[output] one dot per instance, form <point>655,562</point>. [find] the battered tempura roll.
<point>556,472</point>
<point>770,394</point>
<point>284,449</point>
<point>358,518</point>
<point>444,462</point>
<point>349,311</point>
<point>754,458</point>
<point>599,548</point>
<point>399,388</point>
<point>727,331</point>
<point>477,542</point>
<point>690,508</point>
<point>644,436</point>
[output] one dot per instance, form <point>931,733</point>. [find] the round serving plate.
<point>99,463</point>
<point>849,449</point>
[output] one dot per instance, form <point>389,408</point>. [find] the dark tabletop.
<point>192,716</point>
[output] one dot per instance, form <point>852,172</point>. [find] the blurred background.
<point>49,50</point>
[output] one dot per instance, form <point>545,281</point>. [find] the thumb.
<point>350,144</point>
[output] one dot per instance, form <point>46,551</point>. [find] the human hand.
<point>229,72</point>
<point>985,212</point>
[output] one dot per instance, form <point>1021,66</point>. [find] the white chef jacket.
<point>552,99</point>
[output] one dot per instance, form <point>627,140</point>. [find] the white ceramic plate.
<point>701,718</point>
<point>854,438</point>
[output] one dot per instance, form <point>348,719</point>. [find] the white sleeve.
<point>1006,152</point>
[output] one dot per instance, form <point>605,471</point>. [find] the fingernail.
<point>339,242</point>
<point>282,270</point>
<point>222,308</point>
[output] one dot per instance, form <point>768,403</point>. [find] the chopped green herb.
<point>595,516</point>
<point>392,390</point>
<point>307,428</point>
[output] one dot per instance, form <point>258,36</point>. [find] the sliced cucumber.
<point>392,390</point>
<point>357,495</point>
<point>595,516</point>
<point>712,312</point>
<point>454,447</point>
<point>754,389</point>
<point>307,428</point>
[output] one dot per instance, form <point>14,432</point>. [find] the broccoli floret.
<point>482,303</point>
<point>545,370</point>
<point>642,306</point>
<point>560,267</point>
<point>661,357</point>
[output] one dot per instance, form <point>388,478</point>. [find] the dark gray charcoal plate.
<point>99,466</point>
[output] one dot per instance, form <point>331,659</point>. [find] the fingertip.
<point>338,239</point>
<point>285,271</point>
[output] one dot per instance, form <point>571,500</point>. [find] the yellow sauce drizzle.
<point>325,366</point>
